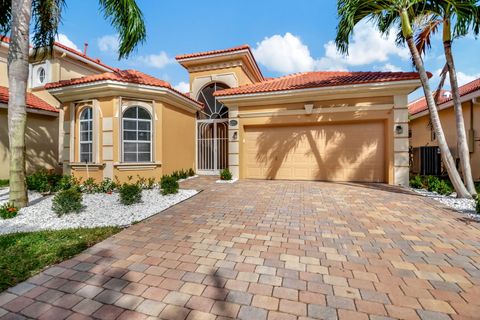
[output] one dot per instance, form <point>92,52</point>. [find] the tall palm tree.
<point>387,14</point>
<point>464,17</point>
<point>16,16</point>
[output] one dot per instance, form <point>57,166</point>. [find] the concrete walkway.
<point>271,250</point>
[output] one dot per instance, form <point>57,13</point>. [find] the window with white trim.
<point>86,135</point>
<point>137,135</point>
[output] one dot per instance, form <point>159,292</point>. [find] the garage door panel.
<point>337,152</point>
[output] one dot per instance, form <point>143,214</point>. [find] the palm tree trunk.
<point>447,158</point>
<point>462,143</point>
<point>18,54</point>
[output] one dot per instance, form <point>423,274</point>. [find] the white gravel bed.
<point>99,210</point>
<point>32,195</point>
<point>466,206</point>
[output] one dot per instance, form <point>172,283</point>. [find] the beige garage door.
<point>334,152</point>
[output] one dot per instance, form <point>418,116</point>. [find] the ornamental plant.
<point>478,205</point>
<point>8,211</point>
<point>225,174</point>
<point>191,172</point>
<point>169,185</point>
<point>130,193</point>
<point>67,201</point>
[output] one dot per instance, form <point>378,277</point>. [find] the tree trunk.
<point>447,158</point>
<point>462,143</point>
<point>18,54</point>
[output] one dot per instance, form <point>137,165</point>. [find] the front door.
<point>212,146</point>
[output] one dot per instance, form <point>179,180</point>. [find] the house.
<point>42,133</point>
<point>334,126</point>
<point>422,134</point>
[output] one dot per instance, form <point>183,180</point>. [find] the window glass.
<point>86,135</point>
<point>137,135</point>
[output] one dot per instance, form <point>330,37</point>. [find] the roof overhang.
<point>33,110</point>
<point>322,93</point>
<point>109,88</point>
<point>245,55</point>
<point>446,105</point>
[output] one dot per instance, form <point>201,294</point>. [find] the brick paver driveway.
<point>271,250</point>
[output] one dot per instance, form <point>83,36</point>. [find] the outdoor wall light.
<point>235,135</point>
<point>398,129</point>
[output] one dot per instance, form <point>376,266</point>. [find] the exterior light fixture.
<point>399,129</point>
<point>235,135</point>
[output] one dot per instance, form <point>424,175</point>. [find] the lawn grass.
<point>23,255</point>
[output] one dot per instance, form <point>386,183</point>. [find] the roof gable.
<point>33,101</point>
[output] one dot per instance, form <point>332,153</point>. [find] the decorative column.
<point>400,140</point>
<point>233,142</point>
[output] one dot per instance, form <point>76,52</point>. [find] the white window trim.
<point>80,142</point>
<point>46,65</point>
<point>149,109</point>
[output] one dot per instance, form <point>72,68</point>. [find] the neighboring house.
<point>422,133</point>
<point>335,126</point>
<point>42,134</point>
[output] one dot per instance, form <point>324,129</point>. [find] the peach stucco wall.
<point>421,134</point>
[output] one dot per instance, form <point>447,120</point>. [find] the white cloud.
<point>390,68</point>
<point>156,60</point>
<point>182,86</point>
<point>288,54</point>
<point>108,43</point>
<point>63,39</point>
<point>464,78</point>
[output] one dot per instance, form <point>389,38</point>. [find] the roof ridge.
<point>211,52</point>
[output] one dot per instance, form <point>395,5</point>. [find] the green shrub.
<point>130,193</point>
<point>67,182</point>
<point>4,183</point>
<point>169,185</point>
<point>8,210</point>
<point>478,205</point>
<point>67,201</point>
<point>106,186</point>
<point>43,181</point>
<point>90,186</point>
<point>150,183</point>
<point>225,174</point>
<point>432,183</point>
<point>191,172</point>
<point>183,174</point>
<point>416,182</point>
<point>444,188</point>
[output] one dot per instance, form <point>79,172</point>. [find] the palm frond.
<point>126,17</point>
<point>441,83</point>
<point>5,17</point>
<point>46,17</point>
<point>423,39</point>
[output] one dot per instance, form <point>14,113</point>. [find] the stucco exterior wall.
<point>421,133</point>
<point>173,140</point>
<point>178,139</point>
<point>3,67</point>
<point>41,143</point>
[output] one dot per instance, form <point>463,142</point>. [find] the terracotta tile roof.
<point>127,76</point>
<point>33,101</point>
<point>75,52</point>
<point>207,53</point>
<point>420,105</point>
<point>319,79</point>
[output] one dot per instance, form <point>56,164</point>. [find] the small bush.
<point>225,174</point>
<point>90,186</point>
<point>478,205</point>
<point>106,186</point>
<point>191,172</point>
<point>444,188</point>
<point>8,211</point>
<point>67,182</point>
<point>67,201</point>
<point>183,174</point>
<point>130,193</point>
<point>416,182</point>
<point>169,185</point>
<point>150,183</point>
<point>4,183</point>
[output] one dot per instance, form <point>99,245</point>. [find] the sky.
<point>286,37</point>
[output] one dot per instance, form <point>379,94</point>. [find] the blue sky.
<point>285,38</point>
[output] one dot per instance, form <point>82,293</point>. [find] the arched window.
<point>137,135</point>
<point>213,109</point>
<point>86,135</point>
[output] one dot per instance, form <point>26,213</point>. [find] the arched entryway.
<point>212,131</point>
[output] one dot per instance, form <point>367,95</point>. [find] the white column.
<point>400,140</point>
<point>233,142</point>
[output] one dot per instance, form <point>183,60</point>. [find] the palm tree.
<point>464,15</point>
<point>387,14</point>
<point>16,16</point>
